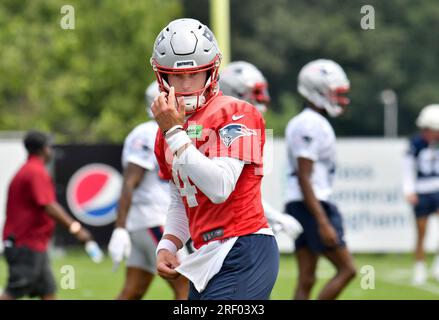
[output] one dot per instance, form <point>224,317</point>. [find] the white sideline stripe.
<point>399,277</point>
<point>426,287</point>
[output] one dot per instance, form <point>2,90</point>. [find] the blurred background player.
<point>215,165</point>
<point>245,81</point>
<point>31,214</point>
<point>310,141</point>
<point>421,183</point>
<point>141,213</point>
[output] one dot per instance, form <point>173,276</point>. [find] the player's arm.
<point>409,178</point>
<point>216,177</point>
<point>132,176</point>
<point>120,243</point>
<point>175,235</point>
<point>42,191</point>
<point>57,212</point>
<point>326,230</point>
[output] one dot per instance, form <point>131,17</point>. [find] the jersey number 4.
<point>188,190</point>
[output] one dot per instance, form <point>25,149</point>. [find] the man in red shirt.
<point>31,214</point>
<point>210,146</point>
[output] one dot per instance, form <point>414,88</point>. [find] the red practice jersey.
<point>226,127</point>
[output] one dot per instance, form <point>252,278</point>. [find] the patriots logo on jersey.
<point>233,131</point>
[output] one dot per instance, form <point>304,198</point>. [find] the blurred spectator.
<point>31,214</point>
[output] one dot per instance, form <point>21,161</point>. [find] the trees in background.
<point>87,84</point>
<point>401,53</point>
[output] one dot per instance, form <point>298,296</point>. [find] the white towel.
<point>200,266</point>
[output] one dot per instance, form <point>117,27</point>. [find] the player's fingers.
<point>174,262</point>
<point>166,272</point>
<point>155,106</point>
<point>116,260</point>
<point>115,266</point>
<point>181,108</point>
<point>127,251</point>
<point>171,98</point>
<point>161,102</point>
<point>153,109</point>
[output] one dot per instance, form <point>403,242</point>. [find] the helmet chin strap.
<point>191,103</point>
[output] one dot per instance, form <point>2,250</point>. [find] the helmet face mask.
<point>196,98</point>
<point>259,96</point>
<point>339,96</point>
<point>186,46</point>
<point>339,100</point>
<point>324,84</point>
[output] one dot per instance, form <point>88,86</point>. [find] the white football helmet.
<point>324,83</point>
<point>429,117</point>
<point>187,46</point>
<point>151,92</point>
<point>244,81</point>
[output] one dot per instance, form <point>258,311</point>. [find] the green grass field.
<point>392,279</point>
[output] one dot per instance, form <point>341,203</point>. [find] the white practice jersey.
<point>151,198</point>
<point>310,135</point>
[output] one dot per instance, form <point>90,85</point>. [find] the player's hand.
<point>83,235</point>
<point>119,246</point>
<point>168,111</point>
<point>412,199</point>
<point>328,235</point>
<point>166,263</point>
<point>290,225</point>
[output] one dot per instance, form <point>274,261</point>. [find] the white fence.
<point>368,193</point>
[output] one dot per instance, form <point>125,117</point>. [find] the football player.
<point>245,81</point>
<point>210,147</point>
<point>421,183</point>
<point>142,211</point>
<point>310,141</point>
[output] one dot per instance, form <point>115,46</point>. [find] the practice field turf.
<point>392,278</point>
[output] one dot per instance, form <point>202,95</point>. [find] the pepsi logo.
<point>93,193</point>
